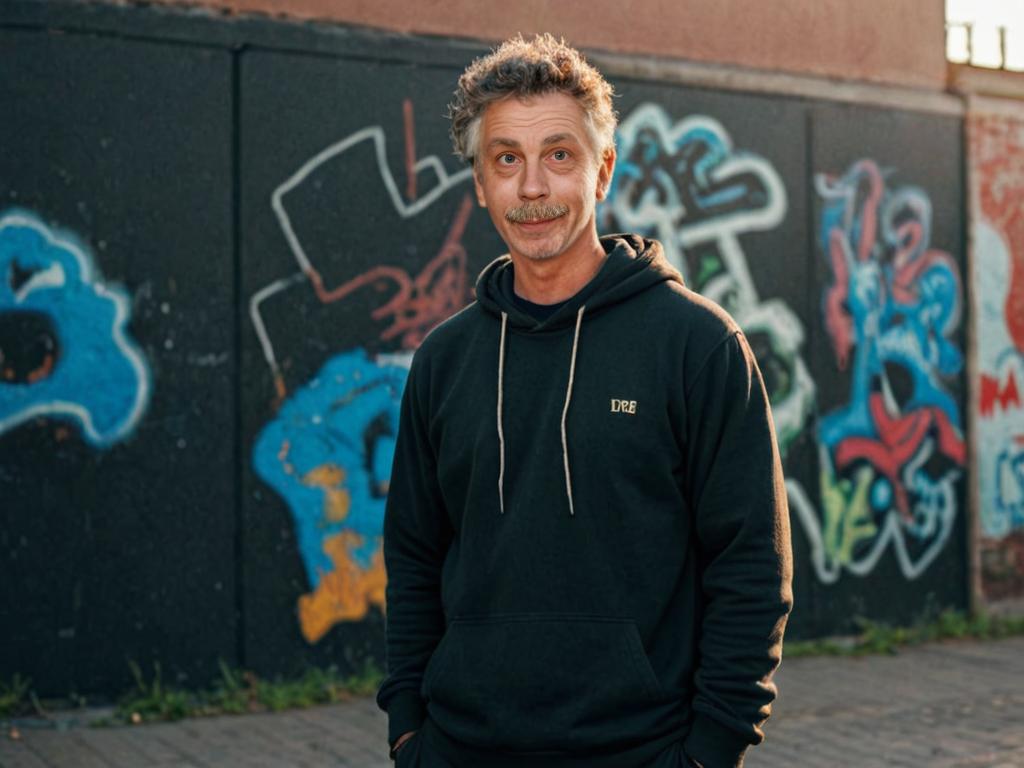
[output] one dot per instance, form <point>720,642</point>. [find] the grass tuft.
<point>878,638</point>
<point>15,698</point>
<point>236,692</point>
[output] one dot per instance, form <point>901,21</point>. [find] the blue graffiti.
<point>64,350</point>
<point>891,313</point>
<point>894,301</point>
<point>343,421</point>
<point>1009,485</point>
<point>685,183</point>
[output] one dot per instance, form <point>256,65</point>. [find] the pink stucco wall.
<point>886,41</point>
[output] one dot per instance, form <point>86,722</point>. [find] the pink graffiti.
<point>908,255</point>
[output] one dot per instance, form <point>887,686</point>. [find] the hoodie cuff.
<point>713,745</point>
<point>406,712</point>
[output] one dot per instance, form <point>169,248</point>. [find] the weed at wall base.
<point>237,692</point>
<point>877,638</point>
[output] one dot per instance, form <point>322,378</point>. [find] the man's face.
<point>539,176</point>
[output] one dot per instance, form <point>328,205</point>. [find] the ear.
<point>604,173</point>
<point>478,185</point>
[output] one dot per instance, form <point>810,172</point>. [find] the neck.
<point>549,281</point>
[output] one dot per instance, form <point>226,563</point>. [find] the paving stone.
<point>950,705</point>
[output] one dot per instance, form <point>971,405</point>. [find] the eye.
<point>560,154</point>
<point>506,158</point>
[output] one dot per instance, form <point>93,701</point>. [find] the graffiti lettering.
<point>996,396</point>
<point>891,456</point>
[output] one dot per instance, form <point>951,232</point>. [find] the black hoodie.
<point>586,535</point>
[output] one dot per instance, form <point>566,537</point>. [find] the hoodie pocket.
<point>541,682</point>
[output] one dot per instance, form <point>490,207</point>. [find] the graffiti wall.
<point>63,326</point>
<point>996,152</point>
<point>889,362</point>
<point>202,353</point>
<point>858,334</point>
<point>362,234</point>
<point>117,530</point>
<point>891,309</point>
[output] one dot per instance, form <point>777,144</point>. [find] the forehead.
<point>533,119</point>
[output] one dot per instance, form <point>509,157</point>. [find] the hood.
<point>633,265</point>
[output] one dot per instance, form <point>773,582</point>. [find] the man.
<point>586,536</point>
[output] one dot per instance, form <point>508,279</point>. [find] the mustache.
<point>535,212</point>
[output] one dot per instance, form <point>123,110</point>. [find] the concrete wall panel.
<point>889,362</point>
<point>116,363</point>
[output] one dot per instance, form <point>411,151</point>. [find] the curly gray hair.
<point>524,68</point>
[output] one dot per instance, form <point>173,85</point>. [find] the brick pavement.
<point>949,705</point>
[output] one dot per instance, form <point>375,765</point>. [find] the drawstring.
<point>565,410</point>
<point>501,433</point>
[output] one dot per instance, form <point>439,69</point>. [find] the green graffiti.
<point>848,518</point>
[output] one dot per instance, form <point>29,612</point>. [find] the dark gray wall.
<point>257,222</point>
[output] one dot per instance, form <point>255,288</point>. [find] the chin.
<point>541,255</point>
<point>541,250</point>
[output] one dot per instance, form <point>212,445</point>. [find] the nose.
<point>533,183</point>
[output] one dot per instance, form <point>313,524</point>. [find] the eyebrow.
<point>556,138</point>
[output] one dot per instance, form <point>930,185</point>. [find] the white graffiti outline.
<point>50,278</point>
<point>724,229</point>
<point>376,134</point>
<point>829,570</point>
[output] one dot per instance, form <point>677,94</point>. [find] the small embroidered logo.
<point>623,406</point>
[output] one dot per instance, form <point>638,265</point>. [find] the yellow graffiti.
<point>847,514</point>
<point>330,478</point>
<point>347,592</point>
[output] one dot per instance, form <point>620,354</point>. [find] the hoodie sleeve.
<point>737,490</point>
<point>416,537</point>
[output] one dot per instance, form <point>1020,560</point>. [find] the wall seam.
<point>237,304</point>
<point>970,209</point>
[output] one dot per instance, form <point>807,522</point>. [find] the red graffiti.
<point>997,149</point>
<point>906,253</point>
<point>837,319</point>
<point>1006,396</point>
<point>900,438</point>
<point>420,303</point>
